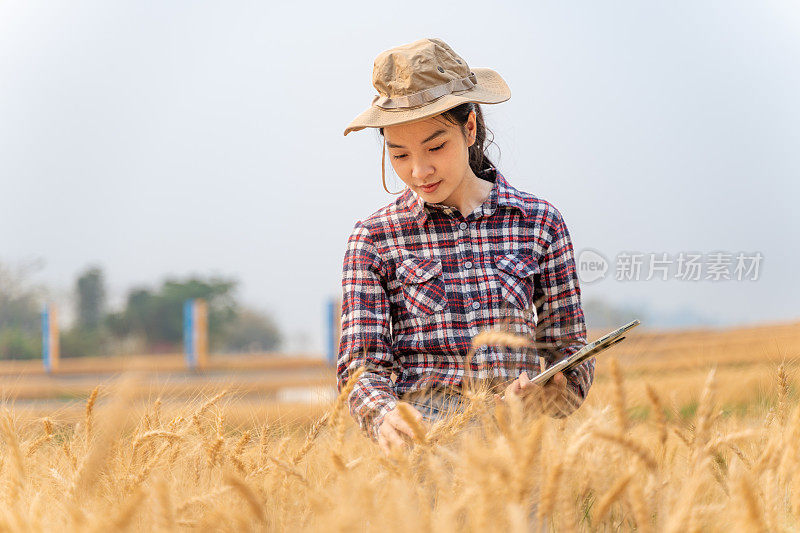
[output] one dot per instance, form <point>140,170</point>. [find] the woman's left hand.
<point>552,393</point>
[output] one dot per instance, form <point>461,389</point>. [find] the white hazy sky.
<point>178,137</point>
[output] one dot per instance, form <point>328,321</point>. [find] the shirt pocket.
<point>516,273</point>
<point>423,285</point>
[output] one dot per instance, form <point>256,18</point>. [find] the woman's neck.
<point>472,193</point>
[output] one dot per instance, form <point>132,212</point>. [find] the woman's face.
<point>431,152</point>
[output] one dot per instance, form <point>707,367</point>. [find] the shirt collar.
<point>502,194</point>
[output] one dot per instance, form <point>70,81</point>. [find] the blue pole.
<point>46,339</point>
<point>188,333</point>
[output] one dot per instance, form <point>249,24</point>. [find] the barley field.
<point>696,431</point>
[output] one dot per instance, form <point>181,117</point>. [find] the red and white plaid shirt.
<point>420,280</point>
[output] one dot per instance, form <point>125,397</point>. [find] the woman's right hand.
<point>394,431</point>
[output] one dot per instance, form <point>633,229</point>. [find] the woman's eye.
<point>432,150</point>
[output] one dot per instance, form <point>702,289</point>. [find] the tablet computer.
<point>587,352</point>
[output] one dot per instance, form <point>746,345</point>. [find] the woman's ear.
<point>472,128</point>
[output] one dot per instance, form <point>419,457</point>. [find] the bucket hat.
<point>423,79</point>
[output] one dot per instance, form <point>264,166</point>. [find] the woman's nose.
<point>421,171</point>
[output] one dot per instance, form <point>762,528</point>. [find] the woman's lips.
<point>431,188</point>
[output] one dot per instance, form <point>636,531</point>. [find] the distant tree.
<point>78,341</point>
<point>20,306</point>
<point>157,316</point>
<point>88,335</point>
<point>91,298</point>
<point>252,331</point>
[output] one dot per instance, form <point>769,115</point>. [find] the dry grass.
<point>709,444</point>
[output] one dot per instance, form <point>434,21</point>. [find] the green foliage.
<point>16,343</point>
<point>82,341</point>
<point>158,315</point>
<point>689,410</point>
<point>154,317</point>
<point>251,331</point>
<point>91,295</point>
<point>639,413</point>
<point>20,318</point>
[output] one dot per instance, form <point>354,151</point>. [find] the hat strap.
<point>427,95</point>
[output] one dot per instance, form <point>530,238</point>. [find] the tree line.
<point>151,320</point>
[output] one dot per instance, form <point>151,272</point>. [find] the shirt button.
<point>468,264</point>
<point>463,225</point>
<point>476,305</point>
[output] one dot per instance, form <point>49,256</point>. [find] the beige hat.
<point>423,79</point>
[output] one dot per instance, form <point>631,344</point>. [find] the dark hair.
<point>478,160</point>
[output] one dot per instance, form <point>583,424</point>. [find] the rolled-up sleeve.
<point>561,311</point>
<point>366,332</point>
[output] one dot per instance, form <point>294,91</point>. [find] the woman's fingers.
<point>522,386</point>
<point>385,442</point>
<point>558,384</point>
<point>513,388</point>
<point>556,388</point>
<point>391,436</point>
<point>552,391</point>
<point>395,429</point>
<point>419,418</point>
<point>404,427</point>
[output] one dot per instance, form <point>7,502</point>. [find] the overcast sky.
<point>155,138</point>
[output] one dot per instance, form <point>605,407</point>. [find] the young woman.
<point>459,251</point>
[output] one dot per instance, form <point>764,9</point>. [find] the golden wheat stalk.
<point>407,413</point>
<point>122,518</point>
<point>17,478</point>
<point>550,492</point>
<point>499,337</point>
<point>620,405</point>
<point>313,433</point>
<point>704,411</point>
<point>47,437</point>
<point>752,514</point>
<point>641,508</point>
<point>629,444</point>
<point>89,412</point>
<point>247,493</point>
<point>203,499</point>
<point>658,413</point>
<point>610,497</point>
<point>144,438</point>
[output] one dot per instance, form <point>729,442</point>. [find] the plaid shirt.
<point>420,280</point>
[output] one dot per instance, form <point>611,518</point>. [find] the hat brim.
<point>491,88</point>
